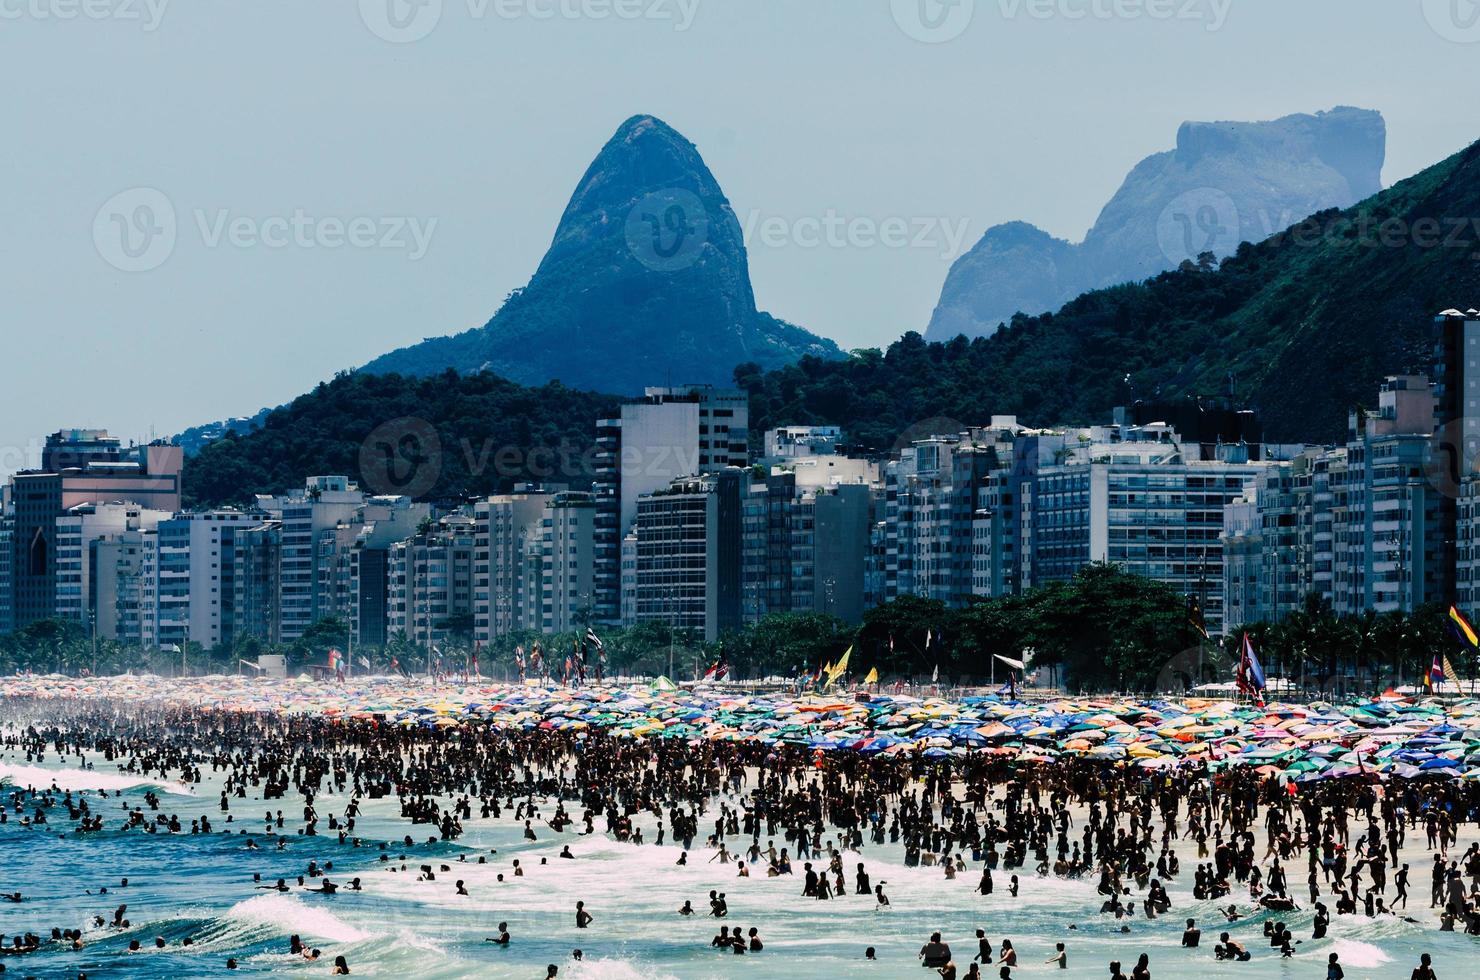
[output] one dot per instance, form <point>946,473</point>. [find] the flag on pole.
<point>1250,677</point>
<point>935,675</point>
<point>595,640</point>
<point>838,668</point>
<point>873,676</point>
<point>1434,676</point>
<point>717,670</point>
<point>1450,672</point>
<point>1461,628</point>
<point>1195,617</point>
<point>334,656</point>
<point>927,639</point>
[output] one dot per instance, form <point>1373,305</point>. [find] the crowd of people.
<point>1264,847</point>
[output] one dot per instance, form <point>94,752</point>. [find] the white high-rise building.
<point>308,516</point>
<point>670,434</point>
<point>77,533</point>
<point>196,567</point>
<point>505,529</point>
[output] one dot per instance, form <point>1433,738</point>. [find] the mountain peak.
<point>1223,183</point>
<point>646,278</point>
<point>643,124</point>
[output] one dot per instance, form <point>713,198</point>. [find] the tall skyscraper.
<point>197,567</point>
<point>670,434</point>
<point>325,503</point>
<point>689,542</point>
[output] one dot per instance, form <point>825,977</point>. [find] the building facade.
<point>670,434</point>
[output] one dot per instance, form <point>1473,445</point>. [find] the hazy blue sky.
<point>476,133</point>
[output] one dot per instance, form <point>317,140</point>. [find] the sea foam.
<point>1355,953</point>
<point>76,780</point>
<point>286,914</point>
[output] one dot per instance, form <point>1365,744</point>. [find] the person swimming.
<point>934,953</point>
<point>502,939</point>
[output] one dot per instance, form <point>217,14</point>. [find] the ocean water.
<point>201,886</point>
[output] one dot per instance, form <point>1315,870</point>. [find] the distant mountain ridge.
<point>1303,325</point>
<point>1224,183</point>
<point>646,279</point>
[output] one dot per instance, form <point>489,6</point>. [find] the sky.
<point>208,207</point>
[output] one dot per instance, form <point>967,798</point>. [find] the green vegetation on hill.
<point>1305,324</point>
<point>484,430</point>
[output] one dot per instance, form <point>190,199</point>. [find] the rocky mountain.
<point>1302,326</point>
<point>646,280</point>
<point>1224,183</point>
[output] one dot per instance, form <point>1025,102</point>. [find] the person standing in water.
<point>583,918</point>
